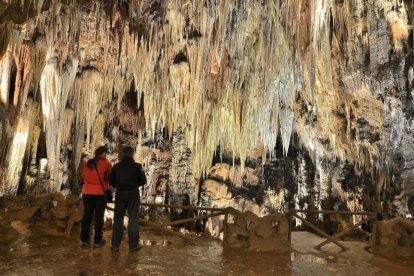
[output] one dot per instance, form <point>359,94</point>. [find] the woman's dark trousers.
<point>132,206</point>
<point>93,204</point>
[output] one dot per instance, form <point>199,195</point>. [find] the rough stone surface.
<point>394,238</point>
<point>294,105</point>
<point>269,233</point>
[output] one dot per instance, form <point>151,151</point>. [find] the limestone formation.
<point>269,233</point>
<point>395,238</point>
<point>264,106</point>
<point>42,212</point>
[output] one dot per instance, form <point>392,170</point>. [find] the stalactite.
<point>15,155</point>
<point>86,99</point>
<point>5,72</point>
<point>54,87</point>
<point>23,75</point>
<point>235,76</point>
<point>68,116</point>
<point>98,127</point>
<point>33,167</point>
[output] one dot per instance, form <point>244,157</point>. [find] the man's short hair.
<point>128,151</point>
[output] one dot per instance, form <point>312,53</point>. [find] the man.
<point>127,176</point>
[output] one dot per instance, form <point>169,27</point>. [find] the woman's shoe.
<point>99,244</point>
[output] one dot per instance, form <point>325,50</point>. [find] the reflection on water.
<point>47,255</point>
<point>154,242</point>
<point>311,258</point>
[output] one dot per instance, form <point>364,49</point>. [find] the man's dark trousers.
<point>132,207</point>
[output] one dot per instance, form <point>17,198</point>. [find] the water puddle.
<point>310,258</point>
<point>155,243</point>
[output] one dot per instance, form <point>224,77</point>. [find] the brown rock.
<point>72,199</point>
<point>237,230</point>
<point>41,200</point>
<point>220,171</point>
<point>23,214</point>
<point>394,239</point>
<point>249,177</point>
<point>216,190</point>
<point>7,232</point>
<point>61,210</point>
<point>235,241</point>
<point>59,223</point>
<point>240,221</point>
<point>236,177</point>
<point>4,220</point>
<point>263,228</point>
<point>45,212</point>
<point>14,204</point>
<point>250,216</point>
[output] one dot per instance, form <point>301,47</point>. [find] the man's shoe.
<point>114,249</point>
<point>85,244</point>
<point>99,244</point>
<point>135,249</point>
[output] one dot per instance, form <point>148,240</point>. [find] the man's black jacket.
<point>127,176</point>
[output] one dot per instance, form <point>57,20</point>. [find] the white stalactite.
<point>55,84</point>
<point>15,156</point>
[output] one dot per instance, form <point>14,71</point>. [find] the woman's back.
<point>91,184</point>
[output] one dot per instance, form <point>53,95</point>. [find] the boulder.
<point>394,238</point>
<point>237,230</point>
<point>236,177</point>
<point>15,203</point>
<point>59,223</point>
<point>249,177</point>
<point>250,216</point>
<point>220,172</point>
<point>40,200</point>
<point>72,199</point>
<point>45,212</point>
<point>61,210</point>
<point>24,214</point>
<point>239,179</point>
<point>215,189</point>
<point>269,233</point>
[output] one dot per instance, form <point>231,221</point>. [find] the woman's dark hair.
<point>98,152</point>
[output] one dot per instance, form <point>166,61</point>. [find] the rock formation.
<point>270,233</point>
<point>45,212</point>
<point>395,238</point>
<point>260,105</point>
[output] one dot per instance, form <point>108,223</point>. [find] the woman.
<point>93,196</point>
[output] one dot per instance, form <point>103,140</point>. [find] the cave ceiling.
<point>234,75</point>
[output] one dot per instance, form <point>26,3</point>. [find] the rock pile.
<point>395,239</point>
<point>269,233</point>
<point>52,211</point>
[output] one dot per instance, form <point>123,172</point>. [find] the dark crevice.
<point>180,57</point>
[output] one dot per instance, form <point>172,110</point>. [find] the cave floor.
<point>35,254</point>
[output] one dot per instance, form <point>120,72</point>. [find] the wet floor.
<point>34,254</point>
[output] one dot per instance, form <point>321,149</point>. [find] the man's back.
<point>127,176</point>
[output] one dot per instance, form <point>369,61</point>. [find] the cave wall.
<point>309,103</point>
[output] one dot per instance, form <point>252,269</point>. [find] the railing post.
<point>290,225</point>
<point>226,216</point>
<point>374,234</point>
